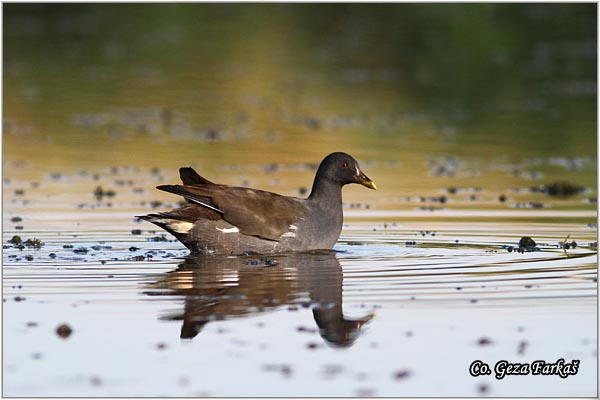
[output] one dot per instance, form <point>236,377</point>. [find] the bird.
<point>229,220</point>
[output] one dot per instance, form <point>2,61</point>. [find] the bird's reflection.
<point>216,288</point>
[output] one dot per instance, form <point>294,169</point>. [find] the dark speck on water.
<point>526,241</point>
<point>100,193</point>
<point>527,244</point>
<point>64,331</point>
<point>156,203</point>
<point>161,346</point>
<point>483,388</point>
<point>484,341</point>
<point>559,189</point>
<point>285,369</point>
<point>158,239</point>
<point>402,374</point>
<point>95,381</point>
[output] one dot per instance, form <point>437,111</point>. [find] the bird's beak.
<point>365,181</point>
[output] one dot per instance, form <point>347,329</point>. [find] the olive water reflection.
<point>217,288</point>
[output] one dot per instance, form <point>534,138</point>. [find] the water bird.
<point>229,220</point>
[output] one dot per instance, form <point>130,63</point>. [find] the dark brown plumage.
<point>225,219</point>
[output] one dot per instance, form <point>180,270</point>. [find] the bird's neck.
<point>325,190</point>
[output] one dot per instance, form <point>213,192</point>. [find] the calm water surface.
<point>408,299</point>
<point>422,281</point>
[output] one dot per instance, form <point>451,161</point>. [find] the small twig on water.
<point>565,244</point>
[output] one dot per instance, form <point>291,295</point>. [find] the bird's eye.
<point>344,165</point>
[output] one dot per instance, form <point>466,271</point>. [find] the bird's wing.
<point>254,212</point>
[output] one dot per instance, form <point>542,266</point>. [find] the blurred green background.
<point>168,84</point>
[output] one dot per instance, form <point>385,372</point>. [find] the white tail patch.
<point>293,227</point>
<point>178,226</point>
<point>229,230</point>
<point>289,234</point>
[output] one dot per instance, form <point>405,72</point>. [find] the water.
<point>426,277</point>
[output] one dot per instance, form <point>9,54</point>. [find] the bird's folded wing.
<point>253,212</point>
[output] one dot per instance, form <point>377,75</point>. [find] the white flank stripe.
<point>229,230</point>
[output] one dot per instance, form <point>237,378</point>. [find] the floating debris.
<point>312,346</point>
<point>34,243</point>
<point>434,199</point>
<point>402,374</point>
<point>527,242</point>
<point>18,242</point>
<point>156,203</point>
<point>161,238</point>
<point>430,208</point>
<point>95,381</point>
<point>483,388</point>
<point>567,245</point>
<point>559,189</point>
<point>100,193</point>
<point>161,346</point>
<point>64,331</point>
<point>530,204</point>
<point>284,369</point>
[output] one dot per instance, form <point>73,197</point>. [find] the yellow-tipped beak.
<point>365,181</point>
<point>369,184</point>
